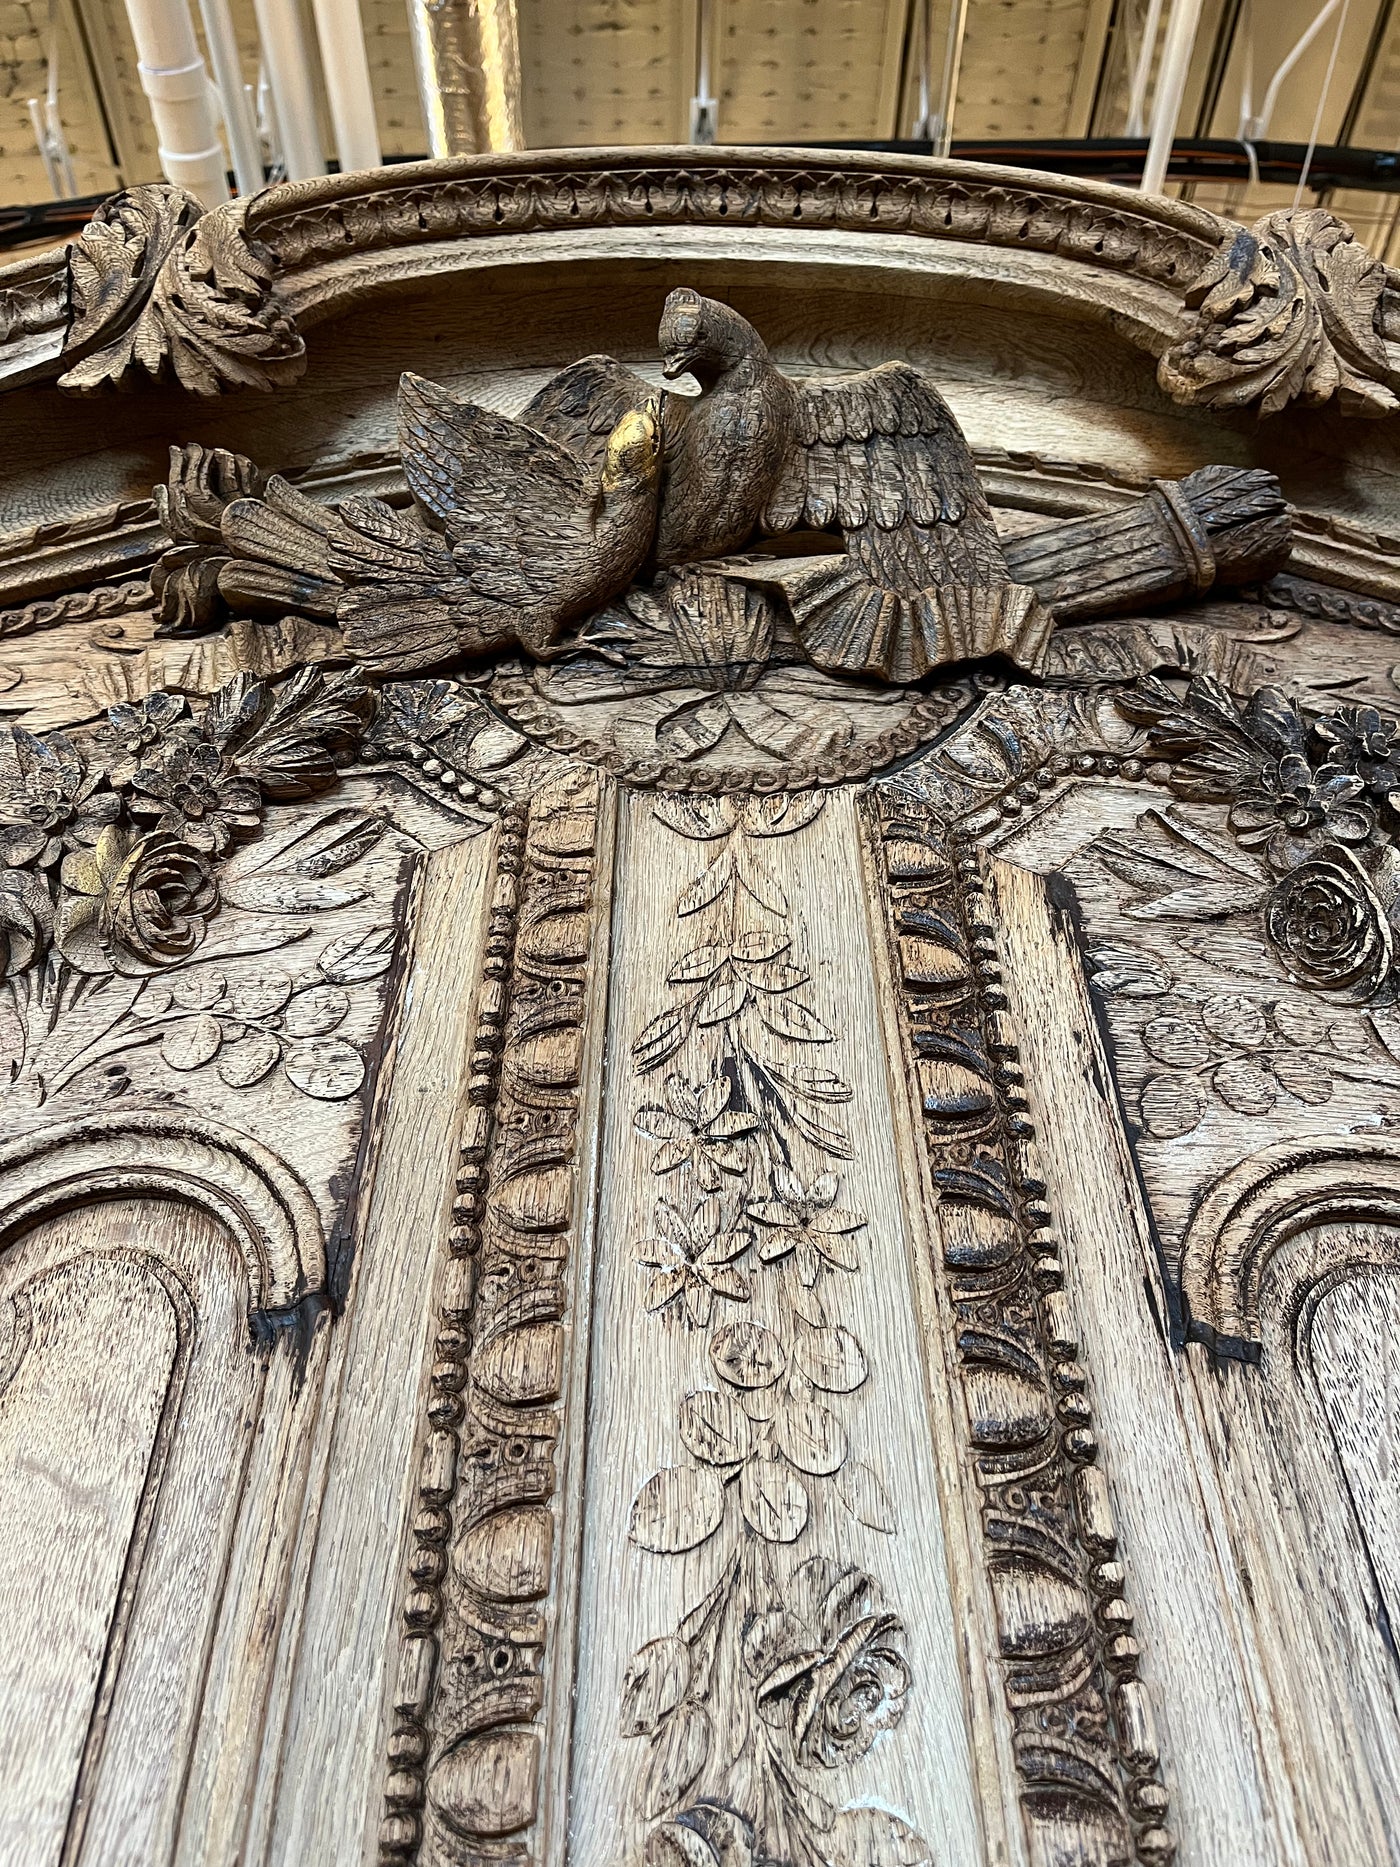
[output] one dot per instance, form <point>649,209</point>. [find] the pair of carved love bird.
<point>525,526</point>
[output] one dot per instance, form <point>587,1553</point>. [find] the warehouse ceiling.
<point>625,71</point>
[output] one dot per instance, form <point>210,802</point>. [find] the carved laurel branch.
<point>1084,1740</point>
<point>464,1750</point>
<point>1290,310</point>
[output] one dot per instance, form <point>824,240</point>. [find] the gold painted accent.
<point>468,58</point>
<point>634,447</point>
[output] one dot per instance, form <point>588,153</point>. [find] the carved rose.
<point>26,920</point>
<point>830,1667</point>
<point>1330,928</point>
<point>134,907</point>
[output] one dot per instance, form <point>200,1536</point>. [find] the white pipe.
<point>39,124</point>
<point>1247,73</point>
<point>289,74</point>
<point>1256,128</point>
<point>1142,70</point>
<point>1171,87</point>
<point>58,142</point>
<point>340,31</point>
<point>53,119</point>
<point>1306,169</point>
<point>923,119</point>
<point>704,107</point>
<point>239,127</point>
<point>181,98</point>
<point>941,130</point>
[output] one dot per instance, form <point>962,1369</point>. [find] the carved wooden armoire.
<point>700,1033</point>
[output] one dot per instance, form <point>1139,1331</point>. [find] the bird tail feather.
<point>849,625</point>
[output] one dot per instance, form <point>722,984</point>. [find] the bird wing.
<point>881,456</point>
<point>924,582</point>
<point>395,588</point>
<point>582,405</point>
<point>483,476</point>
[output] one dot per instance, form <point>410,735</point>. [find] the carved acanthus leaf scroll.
<point>1083,1740</point>
<point>1288,311</point>
<point>160,286</point>
<point>156,287</point>
<point>789,1666</point>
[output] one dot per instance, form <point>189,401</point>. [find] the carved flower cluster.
<point>829,1667</point>
<point>108,848</point>
<point>1316,799</point>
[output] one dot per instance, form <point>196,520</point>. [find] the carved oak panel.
<point>699,1048</point>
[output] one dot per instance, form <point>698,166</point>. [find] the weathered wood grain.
<point>738,1331</point>
<point>128,1416</point>
<point>337,1655</point>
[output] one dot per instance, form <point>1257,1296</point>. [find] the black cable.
<point>1099,158</point>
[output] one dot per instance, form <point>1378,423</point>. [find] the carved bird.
<point>877,456</point>
<point>531,536</point>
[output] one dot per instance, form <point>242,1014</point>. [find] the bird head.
<point>702,338</point>
<point>632,452</point>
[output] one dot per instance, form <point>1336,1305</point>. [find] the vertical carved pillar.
<point>1082,1727</point>
<point>465,1748</point>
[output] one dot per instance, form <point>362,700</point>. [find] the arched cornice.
<point>154,288</point>
<point>333,237</point>
<point>1256,1208</point>
<point>170,1154</point>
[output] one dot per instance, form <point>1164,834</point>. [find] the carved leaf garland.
<point>749,1245</point>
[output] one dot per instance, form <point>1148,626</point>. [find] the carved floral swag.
<point>110,847</point>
